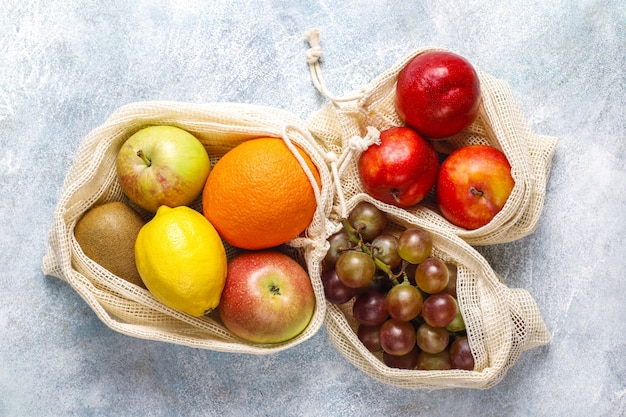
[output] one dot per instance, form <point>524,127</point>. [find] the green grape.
<point>432,339</point>
<point>355,269</point>
<point>368,220</point>
<point>415,245</point>
<point>339,243</point>
<point>457,324</point>
<point>385,248</point>
<point>434,361</point>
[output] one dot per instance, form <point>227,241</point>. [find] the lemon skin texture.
<point>181,259</point>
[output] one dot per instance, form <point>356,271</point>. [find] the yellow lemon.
<point>181,259</point>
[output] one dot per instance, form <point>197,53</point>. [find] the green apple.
<point>162,165</point>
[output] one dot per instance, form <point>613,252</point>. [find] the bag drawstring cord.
<point>313,55</point>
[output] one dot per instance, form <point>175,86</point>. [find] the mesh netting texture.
<point>92,180</point>
<point>345,126</point>
<point>500,322</point>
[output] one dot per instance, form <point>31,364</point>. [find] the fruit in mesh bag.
<point>182,260</point>
<point>106,233</point>
<point>409,312</point>
<point>473,185</point>
<point>268,297</point>
<point>438,94</point>
<point>401,169</point>
<point>162,165</point>
<point>258,195</point>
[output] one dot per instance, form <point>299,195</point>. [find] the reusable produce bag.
<point>500,322</point>
<point>92,180</point>
<point>347,125</point>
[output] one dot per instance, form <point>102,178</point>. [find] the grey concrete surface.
<point>65,66</point>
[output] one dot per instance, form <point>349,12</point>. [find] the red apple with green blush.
<point>162,165</point>
<point>267,298</point>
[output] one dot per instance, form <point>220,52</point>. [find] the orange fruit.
<point>258,196</point>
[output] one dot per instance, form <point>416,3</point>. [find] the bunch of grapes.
<point>404,298</point>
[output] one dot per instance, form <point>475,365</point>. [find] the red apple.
<point>400,170</point>
<point>267,298</point>
<point>473,185</point>
<point>438,94</point>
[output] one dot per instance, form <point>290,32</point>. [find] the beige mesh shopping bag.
<point>500,322</point>
<point>92,180</point>
<point>343,123</point>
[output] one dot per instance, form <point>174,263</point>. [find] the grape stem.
<point>355,237</point>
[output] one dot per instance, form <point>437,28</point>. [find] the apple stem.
<point>395,193</point>
<point>476,192</point>
<point>144,157</point>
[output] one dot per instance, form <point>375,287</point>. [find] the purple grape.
<point>439,309</point>
<point>335,290</point>
<point>406,361</point>
<point>461,355</point>
<point>370,308</point>
<point>370,337</point>
<point>397,337</point>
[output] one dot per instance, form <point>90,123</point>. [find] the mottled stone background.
<point>66,65</point>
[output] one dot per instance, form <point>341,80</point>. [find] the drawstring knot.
<point>357,145</point>
<point>313,54</point>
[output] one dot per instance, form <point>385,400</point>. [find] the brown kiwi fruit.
<point>107,234</point>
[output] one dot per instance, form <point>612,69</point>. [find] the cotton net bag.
<point>347,125</point>
<point>500,322</point>
<point>92,180</point>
